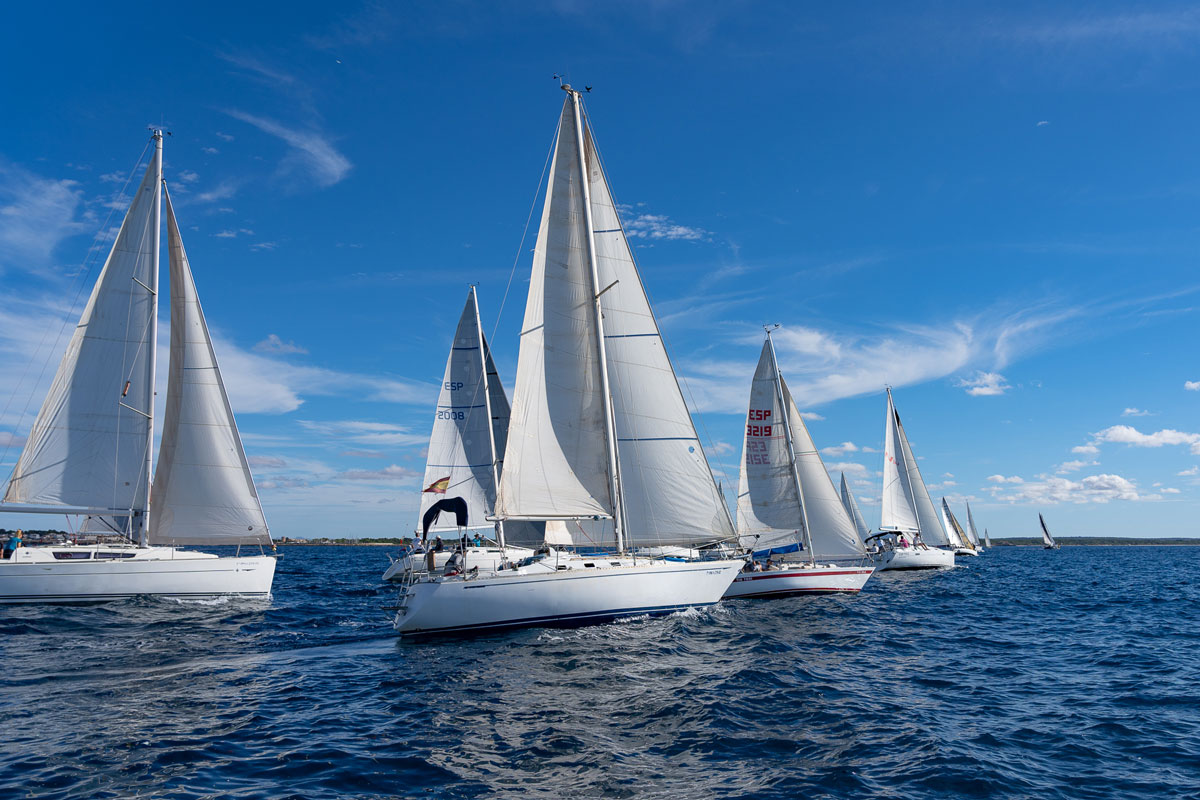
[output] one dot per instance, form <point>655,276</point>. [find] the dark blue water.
<point>1030,674</point>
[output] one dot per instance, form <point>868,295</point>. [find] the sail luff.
<point>203,490</point>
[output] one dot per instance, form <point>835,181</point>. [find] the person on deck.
<point>10,548</point>
<point>438,545</point>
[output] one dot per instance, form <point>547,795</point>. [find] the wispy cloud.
<point>36,214</point>
<point>984,384</point>
<point>1136,412</point>
<point>1148,28</point>
<point>840,449</point>
<point>365,432</point>
<point>658,226</point>
<point>1074,466</point>
<point>274,344</point>
<point>222,191</point>
<point>395,472</point>
<point>312,154</point>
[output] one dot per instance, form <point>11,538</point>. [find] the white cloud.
<point>212,151</point>
<point>1136,412</point>
<point>1125,434</point>
<point>984,384</point>
<point>1042,123</point>
<point>263,246</point>
<point>660,226</point>
<point>273,344</point>
<point>1002,479</point>
<point>840,449</point>
<point>1188,472</point>
<point>1086,449</point>
<point>187,176</point>
<point>36,214</point>
<point>1192,386</point>
<point>395,472</point>
<point>222,191</point>
<point>226,234</point>
<point>1092,489</point>
<point>1170,490</point>
<point>312,153</point>
<point>225,137</point>
<point>1074,466</point>
<point>851,469</point>
<point>365,432</point>
<point>811,416</point>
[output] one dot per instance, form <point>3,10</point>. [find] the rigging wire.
<point>84,275</point>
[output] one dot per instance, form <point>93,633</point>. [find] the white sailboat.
<point>987,540</point>
<point>787,503</point>
<point>1048,542</point>
<point>466,444</point>
<point>973,533</point>
<point>911,535</point>
<point>599,431</point>
<point>851,506</point>
<point>959,538</point>
<point>90,451</point>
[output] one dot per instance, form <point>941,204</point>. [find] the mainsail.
<point>782,489</point>
<point>987,540</point>
<point>860,524</point>
<point>203,491</point>
<point>90,444</point>
<point>906,502</point>
<point>1047,539</point>
<point>974,534</point>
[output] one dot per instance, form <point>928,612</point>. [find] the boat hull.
<point>914,558</point>
<point>799,580</point>
<point>186,575</point>
<point>561,598</point>
<point>963,551</point>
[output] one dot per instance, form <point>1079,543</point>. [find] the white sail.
<point>668,493</point>
<point>90,444</point>
<point>830,529</point>
<point>460,456</point>
<point>1047,539</point>
<point>556,459</point>
<point>860,524</point>
<point>203,490</point>
<point>930,527</point>
<point>899,512</point>
<point>987,540</point>
<point>768,508</point>
<point>974,534</point>
<point>954,529</point>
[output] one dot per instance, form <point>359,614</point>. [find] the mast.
<point>610,433</point>
<point>487,404</point>
<point>787,432</point>
<point>155,220</point>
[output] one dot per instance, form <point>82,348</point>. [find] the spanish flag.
<point>439,486</point>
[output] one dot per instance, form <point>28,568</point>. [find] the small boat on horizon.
<point>1048,542</point>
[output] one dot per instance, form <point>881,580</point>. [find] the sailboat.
<point>851,506</point>
<point>959,538</point>
<point>910,534</point>
<point>787,503</point>
<point>1048,542</point>
<point>90,452</point>
<point>972,532</point>
<point>599,432</point>
<point>987,540</point>
<point>470,428</point>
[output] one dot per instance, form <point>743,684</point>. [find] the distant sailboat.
<point>599,432</point>
<point>972,532</point>
<point>786,501</point>
<point>90,450</point>
<point>987,540</point>
<point>860,524</point>
<point>470,429</point>
<point>911,535</point>
<point>1048,542</point>
<point>959,538</point>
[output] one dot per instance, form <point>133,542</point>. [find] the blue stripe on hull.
<point>783,592</point>
<point>61,599</point>
<point>569,621</point>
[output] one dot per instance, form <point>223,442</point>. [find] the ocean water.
<point>1022,674</point>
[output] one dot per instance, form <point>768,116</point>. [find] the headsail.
<point>860,524</point>
<point>958,537</point>
<point>930,527</point>
<point>899,512</point>
<point>974,534</point>
<point>668,492</point>
<point>556,460</point>
<point>203,490</point>
<point>90,444</point>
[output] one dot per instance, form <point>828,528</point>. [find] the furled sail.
<point>556,459</point>
<point>930,527</point>
<point>974,534</point>
<point>203,490</point>
<point>899,512</point>
<point>860,524</point>
<point>768,507</point>
<point>90,444</point>
<point>668,493</point>
<point>460,456</point>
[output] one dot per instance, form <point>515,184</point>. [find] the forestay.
<point>90,443</point>
<point>203,491</point>
<point>556,460</point>
<point>668,493</point>
<point>860,524</point>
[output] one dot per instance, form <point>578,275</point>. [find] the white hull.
<point>485,559</point>
<point>35,575</point>
<point>963,551</point>
<point>560,592</point>
<point>913,558</point>
<point>799,580</point>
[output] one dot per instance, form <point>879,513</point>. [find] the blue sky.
<point>993,209</point>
